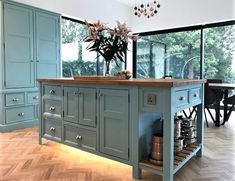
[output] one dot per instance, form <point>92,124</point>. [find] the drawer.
<point>83,138</point>
<point>52,108</point>
<point>195,94</point>
<point>52,129</point>
<point>32,97</point>
<point>53,91</point>
<point>20,114</point>
<point>87,139</point>
<point>15,99</point>
<point>182,98</point>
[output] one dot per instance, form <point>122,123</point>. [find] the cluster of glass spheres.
<point>146,9</point>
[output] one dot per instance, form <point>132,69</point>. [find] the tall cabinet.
<point>30,49</point>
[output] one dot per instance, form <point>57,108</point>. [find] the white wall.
<point>181,13</point>
<point>108,11</point>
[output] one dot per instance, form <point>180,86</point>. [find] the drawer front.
<point>195,94</point>
<point>86,139</point>
<point>52,91</point>
<point>20,114</point>
<point>52,129</point>
<point>32,97</point>
<point>182,98</point>
<point>80,137</point>
<point>52,108</point>
<point>15,99</point>
<point>70,135</point>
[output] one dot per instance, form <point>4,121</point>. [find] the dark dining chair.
<point>231,102</point>
<point>210,98</point>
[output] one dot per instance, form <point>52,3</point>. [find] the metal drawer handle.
<point>35,97</point>
<point>21,114</point>
<point>195,95</point>
<point>52,91</point>
<point>77,93</point>
<point>52,129</point>
<point>52,108</point>
<point>182,98</point>
<point>78,137</point>
<point>15,99</point>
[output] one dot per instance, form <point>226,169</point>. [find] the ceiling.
<point>127,2</point>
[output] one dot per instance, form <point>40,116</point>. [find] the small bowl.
<point>128,76</point>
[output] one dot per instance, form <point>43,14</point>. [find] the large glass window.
<point>76,60</point>
<point>173,54</point>
<point>220,53</point>
<point>179,54</point>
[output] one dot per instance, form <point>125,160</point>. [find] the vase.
<point>108,70</point>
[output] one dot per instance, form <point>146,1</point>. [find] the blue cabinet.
<point>80,105</point>
<point>47,30</point>
<point>30,45</point>
<point>114,122</point>
<point>18,38</point>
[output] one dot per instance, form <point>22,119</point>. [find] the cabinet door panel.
<point>71,104</point>
<point>114,123</point>
<point>18,34</point>
<point>47,45</point>
<point>87,106</point>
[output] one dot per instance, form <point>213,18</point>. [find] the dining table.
<point>224,88</point>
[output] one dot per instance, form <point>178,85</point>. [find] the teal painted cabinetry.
<point>30,39</point>
<point>114,122</point>
<point>18,38</point>
<point>80,105</point>
<point>47,44</point>
<point>118,119</point>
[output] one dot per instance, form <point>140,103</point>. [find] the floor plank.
<point>22,158</point>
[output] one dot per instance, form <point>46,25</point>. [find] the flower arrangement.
<point>111,44</point>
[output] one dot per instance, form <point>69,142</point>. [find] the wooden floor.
<point>22,158</point>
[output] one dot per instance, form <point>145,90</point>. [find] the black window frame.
<point>181,29</point>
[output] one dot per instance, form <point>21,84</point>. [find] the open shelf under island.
<point>117,118</point>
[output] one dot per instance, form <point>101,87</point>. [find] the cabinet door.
<point>18,37</point>
<point>114,123</point>
<point>47,45</point>
<point>71,104</point>
<point>87,106</point>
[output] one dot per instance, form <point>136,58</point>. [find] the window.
<point>76,60</point>
<point>220,53</point>
<point>175,54</point>
<point>189,53</point>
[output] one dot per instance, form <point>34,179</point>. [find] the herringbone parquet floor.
<point>22,158</point>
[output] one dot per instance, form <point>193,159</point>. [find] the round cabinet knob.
<point>75,93</point>
<point>21,114</point>
<point>15,99</point>
<point>182,98</point>
<point>195,95</point>
<point>35,97</point>
<point>52,129</point>
<point>52,108</point>
<point>52,91</point>
<point>78,137</point>
<point>100,94</point>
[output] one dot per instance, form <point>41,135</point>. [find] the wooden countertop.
<point>130,82</point>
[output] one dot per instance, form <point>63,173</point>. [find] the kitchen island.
<point>117,118</point>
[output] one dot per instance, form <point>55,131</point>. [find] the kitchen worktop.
<point>130,82</point>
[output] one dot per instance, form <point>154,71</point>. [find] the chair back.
<point>210,95</point>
